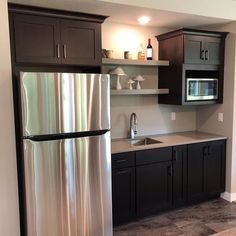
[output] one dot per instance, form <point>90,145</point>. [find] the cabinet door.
<point>36,39</point>
<point>123,195</point>
<point>81,42</point>
<point>214,50</point>
<point>194,49</point>
<point>154,187</point>
<point>215,173</point>
<point>179,175</point>
<point>196,171</point>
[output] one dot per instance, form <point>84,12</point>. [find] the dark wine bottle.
<point>149,50</point>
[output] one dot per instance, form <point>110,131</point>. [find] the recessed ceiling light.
<point>143,20</point>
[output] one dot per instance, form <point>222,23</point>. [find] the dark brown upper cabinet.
<point>81,42</point>
<point>190,52</point>
<point>44,36</point>
<point>37,39</point>
<point>203,50</point>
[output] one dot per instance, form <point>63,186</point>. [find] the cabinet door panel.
<point>214,51</point>
<point>123,195</point>
<point>179,175</point>
<point>81,42</point>
<point>215,179</point>
<point>193,47</point>
<point>36,39</point>
<point>196,171</point>
<point>154,188</point>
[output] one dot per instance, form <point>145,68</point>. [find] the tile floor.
<point>204,219</point>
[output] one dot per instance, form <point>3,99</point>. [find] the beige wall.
<point>152,117</point>
<point>120,38</point>
<point>9,214</point>
<point>220,8</point>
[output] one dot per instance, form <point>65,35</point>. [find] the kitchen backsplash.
<point>152,117</point>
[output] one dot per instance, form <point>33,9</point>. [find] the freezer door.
<point>68,187</point>
<point>55,103</point>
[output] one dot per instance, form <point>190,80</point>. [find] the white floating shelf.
<point>139,92</point>
<point>108,61</point>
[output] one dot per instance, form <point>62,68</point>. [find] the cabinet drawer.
<point>121,160</point>
<point>153,155</point>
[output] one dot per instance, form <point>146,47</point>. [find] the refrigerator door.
<point>68,187</point>
<point>54,103</point>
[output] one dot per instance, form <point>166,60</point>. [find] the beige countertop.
<point>172,139</point>
<point>228,232</point>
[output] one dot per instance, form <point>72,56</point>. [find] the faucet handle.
<point>135,129</point>
<point>132,133</point>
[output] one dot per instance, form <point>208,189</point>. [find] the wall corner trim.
<point>230,197</point>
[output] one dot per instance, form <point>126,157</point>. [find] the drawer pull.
<point>121,160</point>
<point>121,172</point>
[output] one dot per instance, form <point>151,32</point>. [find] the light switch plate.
<point>173,115</point>
<point>220,117</point>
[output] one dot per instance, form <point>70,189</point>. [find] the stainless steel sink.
<point>144,141</point>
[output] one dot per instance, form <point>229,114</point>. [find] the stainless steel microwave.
<point>198,89</point>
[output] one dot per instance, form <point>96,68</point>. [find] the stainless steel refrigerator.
<point>66,154</point>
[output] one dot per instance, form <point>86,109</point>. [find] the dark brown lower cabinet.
<point>179,175</point>
<point>123,187</point>
<point>196,172</point>
<point>206,170</point>
<point>154,188</point>
<point>123,195</point>
<point>150,181</point>
<point>215,168</point>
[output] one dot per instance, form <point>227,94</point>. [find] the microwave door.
<point>201,89</point>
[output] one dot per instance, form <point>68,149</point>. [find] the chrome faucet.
<point>133,125</point>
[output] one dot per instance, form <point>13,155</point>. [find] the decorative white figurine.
<point>118,84</point>
<point>130,82</point>
<point>138,79</point>
<point>118,71</point>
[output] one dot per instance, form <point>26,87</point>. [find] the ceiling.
<point>127,14</point>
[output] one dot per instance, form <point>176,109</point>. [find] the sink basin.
<point>144,141</point>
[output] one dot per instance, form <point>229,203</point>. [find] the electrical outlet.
<point>220,117</point>
<point>173,116</point>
